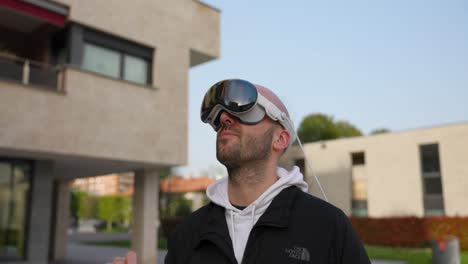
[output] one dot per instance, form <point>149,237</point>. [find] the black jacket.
<point>295,228</point>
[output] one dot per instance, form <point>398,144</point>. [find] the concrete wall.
<point>145,211</point>
<point>41,212</point>
<point>393,169</point>
<point>453,152</point>
<point>61,219</point>
<point>98,117</point>
<point>166,25</point>
<point>205,22</point>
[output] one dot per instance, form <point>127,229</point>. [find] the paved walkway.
<point>78,253</point>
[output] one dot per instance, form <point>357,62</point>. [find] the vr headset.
<point>241,99</point>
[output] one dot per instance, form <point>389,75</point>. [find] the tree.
<point>379,131</point>
<point>316,127</point>
<point>124,207</point>
<point>108,210</point>
<point>165,173</point>
<point>178,205</point>
<point>87,205</point>
<point>346,129</point>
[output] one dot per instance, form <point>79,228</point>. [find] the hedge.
<point>411,231</point>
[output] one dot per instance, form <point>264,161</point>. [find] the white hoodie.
<point>240,222</point>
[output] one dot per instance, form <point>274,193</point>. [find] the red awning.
<point>36,11</point>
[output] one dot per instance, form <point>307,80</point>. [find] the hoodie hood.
<point>240,222</point>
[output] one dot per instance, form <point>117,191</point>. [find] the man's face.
<point>237,143</point>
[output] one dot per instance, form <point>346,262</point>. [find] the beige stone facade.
<point>390,178</point>
<point>83,115</point>
<point>97,117</point>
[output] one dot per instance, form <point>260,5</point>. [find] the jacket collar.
<point>279,211</point>
<point>214,226</point>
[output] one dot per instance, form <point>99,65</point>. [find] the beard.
<point>246,150</point>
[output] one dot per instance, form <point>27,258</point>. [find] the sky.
<point>394,64</point>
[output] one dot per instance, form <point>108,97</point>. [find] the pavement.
<point>78,253</point>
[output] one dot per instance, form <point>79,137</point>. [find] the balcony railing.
<point>30,72</point>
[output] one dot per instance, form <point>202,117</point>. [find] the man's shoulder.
<point>195,219</point>
<point>312,206</point>
<point>201,213</point>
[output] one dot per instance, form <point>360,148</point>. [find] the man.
<point>260,213</point>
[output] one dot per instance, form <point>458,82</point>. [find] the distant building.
<point>192,188</point>
<point>90,88</point>
<point>420,172</point>
<point>112,184</point>
<point>179,184</point>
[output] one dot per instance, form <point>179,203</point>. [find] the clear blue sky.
<point>396,64</point>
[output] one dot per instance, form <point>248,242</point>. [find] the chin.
<point>224,157</point>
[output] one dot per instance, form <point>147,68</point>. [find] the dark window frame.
<point>430,198</point>
<point>79,35</point>
<point>357,205</point>
<point>358,158</point>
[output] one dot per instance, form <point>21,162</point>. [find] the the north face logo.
<point>299,253</point>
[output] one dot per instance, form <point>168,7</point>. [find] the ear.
<point>281,140</point>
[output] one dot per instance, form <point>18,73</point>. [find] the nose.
<point>226,119</point>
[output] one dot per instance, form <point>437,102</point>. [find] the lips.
<point>226,134</point>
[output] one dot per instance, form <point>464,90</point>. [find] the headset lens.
<point>235,95</point>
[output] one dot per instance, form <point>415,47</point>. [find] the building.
<point>179,184</point>
<point>420,172</point>
<point>192,188</point>
<point>91,88</point>
<point>111,184</point>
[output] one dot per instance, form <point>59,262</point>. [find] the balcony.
<point>29,72</point>
<point>204,43</point>
<point>32,38</point>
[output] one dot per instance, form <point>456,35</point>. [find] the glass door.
<point>14,193</point>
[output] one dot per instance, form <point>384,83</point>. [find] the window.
<point>432,180</point>
<point>135,69</point>
<point>358,158</point>
<point>14,194</point>
<point>301,164</point>
<point>359,208</point>
<point>359,184</point>
<point>109,55</point>
<point>433,186</point>
<point>430,158</point>
<point>359,197</point>
<point>115,64</point>
<point>101,60</point>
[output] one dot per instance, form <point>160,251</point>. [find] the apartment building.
<point>91,88</point>
<point>419,172</point>
<point>110,184</point>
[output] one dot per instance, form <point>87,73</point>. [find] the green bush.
<point>124,210</point>
<point>115,209</point>
<point>177,205</point>
<point>107,210</point>
<point>86,205</point>
<point>110,208</point>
